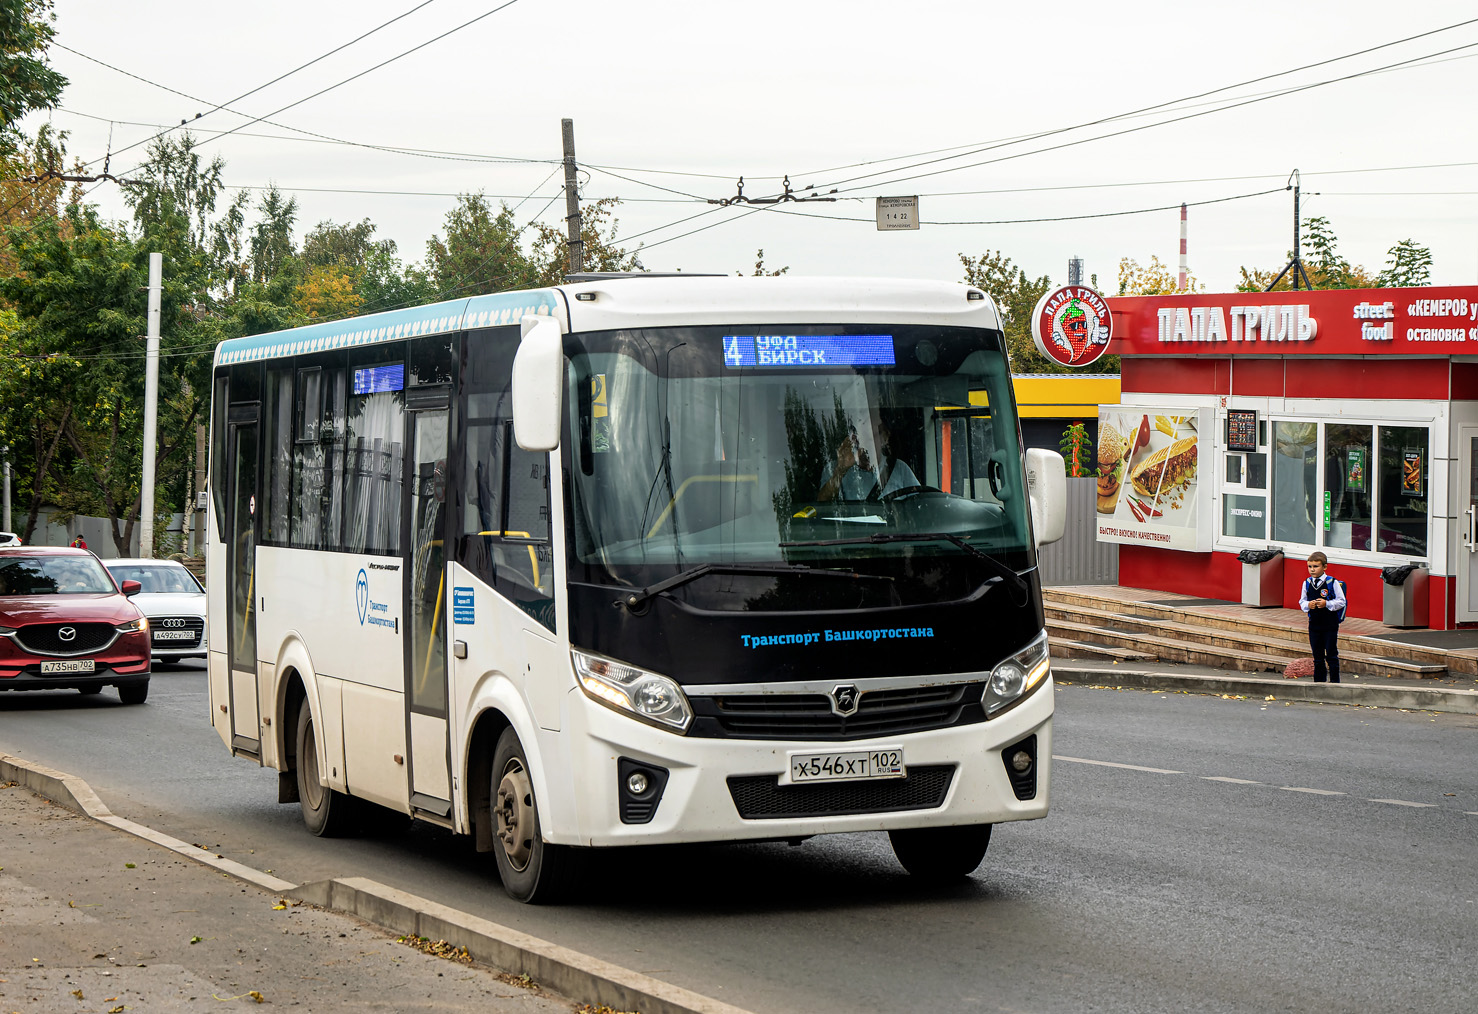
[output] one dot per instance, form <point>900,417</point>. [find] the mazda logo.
<point>844,699</point>
<point>67,633</point>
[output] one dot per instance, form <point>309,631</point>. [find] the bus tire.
<point>533,870</point>
<point>327,812</point>
<point>939,854</point>
<point>134,693</point>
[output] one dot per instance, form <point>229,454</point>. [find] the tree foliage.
<point>27,83</point>
<point>1016,296</point>
<point>1407,263</point>
<point>1154,279</point>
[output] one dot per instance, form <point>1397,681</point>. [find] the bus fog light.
<point>642,694</point>
<point>637,783</point>
<point>1015,676</point>
<point>1021,761</point>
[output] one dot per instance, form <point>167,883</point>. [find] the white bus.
<point>638,560</point>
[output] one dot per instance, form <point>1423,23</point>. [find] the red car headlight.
<point>138,626</point>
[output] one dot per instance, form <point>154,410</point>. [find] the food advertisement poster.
<point>1412,472</point>
<point>1151,490</point>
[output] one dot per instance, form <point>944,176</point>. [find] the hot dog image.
<point>1164,470</point>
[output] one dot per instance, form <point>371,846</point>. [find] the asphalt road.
<point>1203,854</point>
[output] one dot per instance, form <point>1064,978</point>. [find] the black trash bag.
<point>1259,555</point>
<point>1396,576</point>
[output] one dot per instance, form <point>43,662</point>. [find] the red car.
<point>65,624</point>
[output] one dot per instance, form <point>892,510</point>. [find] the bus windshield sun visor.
<point>635,600</point>
<point>1016,581</point>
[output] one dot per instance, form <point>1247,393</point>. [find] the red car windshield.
<point>55,575</point>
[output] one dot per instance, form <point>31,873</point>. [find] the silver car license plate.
<point>845,766</point>
<point>174,635</point>
<point>69,665</point>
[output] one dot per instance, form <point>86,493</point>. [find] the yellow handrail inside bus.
<point>667,511</point>
<point>533,559</point>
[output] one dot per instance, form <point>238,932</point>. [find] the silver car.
<point>173,601</point>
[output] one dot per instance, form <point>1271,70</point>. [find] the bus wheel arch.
<point>291,695</point>
<point>482,743</point>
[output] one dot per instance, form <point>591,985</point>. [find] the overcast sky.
<point>709,92</point>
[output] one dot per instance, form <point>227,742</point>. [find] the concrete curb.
<point>561,969</point>
<point>1455,701</point>
<point>578,976</point>
<point>75,794</point>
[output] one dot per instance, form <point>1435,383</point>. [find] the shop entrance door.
<point>1467,524</point>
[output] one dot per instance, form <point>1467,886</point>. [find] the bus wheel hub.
<point>513,806</point>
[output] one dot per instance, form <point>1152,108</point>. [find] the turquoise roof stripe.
<point>492,310</point>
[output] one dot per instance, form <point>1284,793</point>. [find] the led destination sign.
<point>808,350</point>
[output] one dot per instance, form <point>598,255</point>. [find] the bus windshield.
<point>772,455</point>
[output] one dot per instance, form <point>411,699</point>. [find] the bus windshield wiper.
<point>1010,576</point>
<point>636,598</point>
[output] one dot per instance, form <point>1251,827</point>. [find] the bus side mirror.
<point>538,384</point>
<point>1046,483</point>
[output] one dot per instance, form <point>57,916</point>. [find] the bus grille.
<point>809,716</point>
<point>79,639</point>
<point>761,797</point>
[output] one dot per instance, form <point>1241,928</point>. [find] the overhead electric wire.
<point>1142,127</point>
<point>224,105</point>
<point>1171,103</point>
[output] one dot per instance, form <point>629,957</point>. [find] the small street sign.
<point>896,213</point>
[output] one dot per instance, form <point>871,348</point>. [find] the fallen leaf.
<point>77,993</point>
<point>1270,697</point>
<point>258,997</point>
<point>195,940</point>
<point>128,866</point>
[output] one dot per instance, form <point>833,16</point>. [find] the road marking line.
<point>1317,792</point>
<point>1401,802</point>
<point>1234,781</point>
<point>1112,764</point>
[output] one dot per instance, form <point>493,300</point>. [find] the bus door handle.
<point>459,649</point>
<point>1471,538</point>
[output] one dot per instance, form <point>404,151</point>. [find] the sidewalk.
<point>97,920</point>
<point>1456,694</point>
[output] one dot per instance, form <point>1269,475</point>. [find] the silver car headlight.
<point>642,694</point>
<point>1015,676</point>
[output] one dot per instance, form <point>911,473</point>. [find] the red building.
<point>1344,421</point>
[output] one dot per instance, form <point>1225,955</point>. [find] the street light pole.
<point>5,515</point>
<point>151,409</point>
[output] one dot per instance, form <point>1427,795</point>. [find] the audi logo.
<point>67,633</point>
<point>173,621</point>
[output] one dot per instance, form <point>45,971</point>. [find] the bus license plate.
<point>845,766</point>
<point>71,665</point>
<point>174,635</point>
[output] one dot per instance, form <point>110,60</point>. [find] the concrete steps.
<point>1113,627</point>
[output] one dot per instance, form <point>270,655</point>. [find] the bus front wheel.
<point>532,869</point>
<point>327,812</point>
<point>939,854</point>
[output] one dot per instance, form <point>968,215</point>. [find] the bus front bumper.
<point>713,790</point>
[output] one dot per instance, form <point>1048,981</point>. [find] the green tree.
<point>273,252</point>
<point>1407,264</point>
<point>380,281</point>
<point>1077,450</point>
<point>598,226</point>
<point>1016,296</point>
<point>482,251</point>
<point>26,82</point>
<point>1154,279</point>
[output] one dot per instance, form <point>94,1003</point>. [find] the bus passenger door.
<point>427,603</point>
<point>241,566</point>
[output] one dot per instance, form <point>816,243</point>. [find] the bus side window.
<point>505,538</point>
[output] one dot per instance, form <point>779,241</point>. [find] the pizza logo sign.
<point>1072,325</point>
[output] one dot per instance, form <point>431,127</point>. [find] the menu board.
<point>1241,430</point>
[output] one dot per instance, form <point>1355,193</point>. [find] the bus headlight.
<point>1014,677</point>
<point>644,695</point>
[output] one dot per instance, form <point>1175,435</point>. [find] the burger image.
<point>1113,454</point>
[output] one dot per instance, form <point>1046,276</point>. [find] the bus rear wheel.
<point>327,812</point>
<point>533,870</point>
<point>941,854</point>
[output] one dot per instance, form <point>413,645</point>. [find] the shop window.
<point>1295,481</point>
<point>1348,486</point>
<point>1403,475</point>
<point>1244,517</point>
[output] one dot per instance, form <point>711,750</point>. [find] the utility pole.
<point>572,199</point>
<point>1296,265</point>
<point>5,520</point>
<point>151,409</point>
